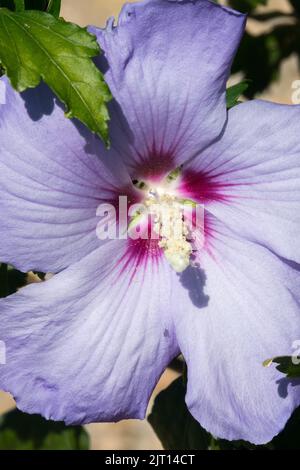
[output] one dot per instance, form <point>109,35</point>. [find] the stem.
<point>3,280</point>
<point>19,5</point>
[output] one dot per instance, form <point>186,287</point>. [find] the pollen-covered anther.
<point>170,225</point>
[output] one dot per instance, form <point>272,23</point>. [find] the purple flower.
<point>91,343</point>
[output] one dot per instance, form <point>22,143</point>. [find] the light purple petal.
<point>53,175</point>
<point>91,343</point>
<point>167,63</point>
<point>256,164</point>
<point>239,309</point>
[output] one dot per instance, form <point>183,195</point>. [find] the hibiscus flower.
<point>91,343</point>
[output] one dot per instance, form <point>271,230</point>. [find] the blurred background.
<point>269,56</point>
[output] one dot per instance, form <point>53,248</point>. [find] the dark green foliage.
<point>29,4</point>
<point>296,5</point>
<point>246,5</point>
<point>20,431</point>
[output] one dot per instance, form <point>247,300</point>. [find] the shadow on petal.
<point>39,101</point>
<point>193,279</point>
<point>283,385</point>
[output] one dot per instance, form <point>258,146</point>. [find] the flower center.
<point>169,220</point>
<point>170,225</point>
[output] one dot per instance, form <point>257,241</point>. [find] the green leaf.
<point>286,366</point>
<point>234,92</point>
<point>54,7</point>
<point>20,431</point>
<point>35,46</point>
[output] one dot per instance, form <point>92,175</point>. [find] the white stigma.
<point>167,212</point>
